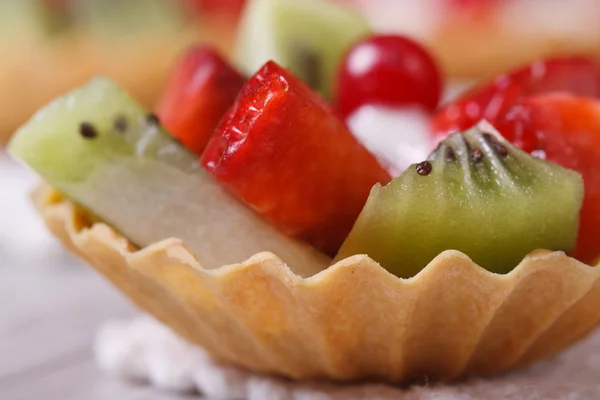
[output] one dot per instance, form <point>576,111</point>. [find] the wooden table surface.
<point>50,308</point>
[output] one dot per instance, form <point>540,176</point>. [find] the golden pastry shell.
<point>352,321</point>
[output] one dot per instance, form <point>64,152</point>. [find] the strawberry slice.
<point>565,130</point>
<point>577,75</point>
<point>201,89</point>
<point>229,8</point>
<point>465,6</point>
<point>284,152</point>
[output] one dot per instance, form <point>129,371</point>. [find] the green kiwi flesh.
<point>309,37</point>
<point>476,193</point>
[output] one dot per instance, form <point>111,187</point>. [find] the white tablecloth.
<point>24,241</point>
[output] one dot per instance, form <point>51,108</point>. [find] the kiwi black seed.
<point>309,63</point>
<point>424,168</point>
<point>87,130</point>
<point>498,147</point>
<point>449,154</point>
<point>153,119</point>
<point>477,155</point>
<point>120,123</point>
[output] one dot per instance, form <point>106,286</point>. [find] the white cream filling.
<point>398,137</point>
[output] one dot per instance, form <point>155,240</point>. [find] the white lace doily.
<point>142,349</point>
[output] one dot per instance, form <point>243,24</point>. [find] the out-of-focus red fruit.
<point>283,151</point>
<point>388,70</point>
<point>227,8</point>
<point>565,129</point>
<point>577,75</point>
<point>201,89</point>
<point>472,5</point>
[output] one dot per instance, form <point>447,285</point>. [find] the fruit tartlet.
<point>481,38</point>
<point>247,215</point>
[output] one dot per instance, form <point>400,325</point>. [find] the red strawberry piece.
<point>468,5</point>
<point>565,130</point>
<point>201,89</point>
<point>284,152</point>
<point>577,75</point>
<point>229,8</point>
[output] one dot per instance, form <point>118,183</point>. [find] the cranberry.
<point>389,70</point>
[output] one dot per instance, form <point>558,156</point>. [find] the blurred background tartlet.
<point>475,39</point>
<point>50,46</point>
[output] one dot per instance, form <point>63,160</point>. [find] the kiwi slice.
<point>310,37</point>
<point>122,19</point>
<point>476,193</point>
<point>33,19</point>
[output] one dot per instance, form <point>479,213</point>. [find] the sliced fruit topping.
<point>283,151</point>
<point>470,7</point>
<point>476,193</point>
<point>201,89</point>
<point>577,75</point>
<point>308,36</point>
<point>565,129</point>
<point>219,8</point>
<point>388,70</point>
<point>100,148</point>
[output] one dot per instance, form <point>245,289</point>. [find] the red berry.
<point>472,5</point>
<point>230,8</point>
<point>565,130</point>
<point>201,89</point>
<point>388,70</point>
<point>284,152</point>
<point>577,75</point>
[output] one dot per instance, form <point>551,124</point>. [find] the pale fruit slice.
<point>477,194</point>
<point>100,148</point>
<point>310,37</point>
